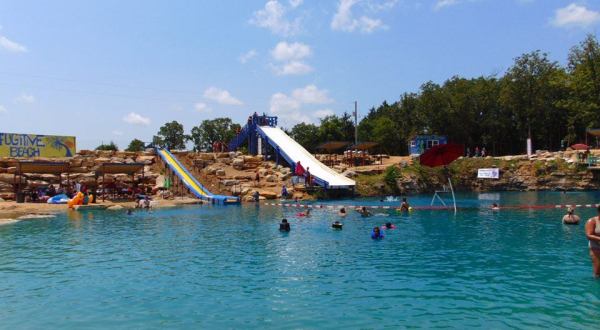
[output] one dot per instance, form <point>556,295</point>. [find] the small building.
<point>421,143</point>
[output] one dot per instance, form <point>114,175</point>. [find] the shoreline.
<point>13,212</point>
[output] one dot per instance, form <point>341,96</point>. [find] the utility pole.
<point>355,123</point>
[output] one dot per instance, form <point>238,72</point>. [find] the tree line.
<point>536,97</point>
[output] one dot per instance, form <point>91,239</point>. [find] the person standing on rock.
<point>257,179</point>
<point>308,179</point>
<point>284,192</point>
<point>299,171</point>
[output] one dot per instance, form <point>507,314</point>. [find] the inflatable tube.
<point>77,200</point>
<point>58,199</point>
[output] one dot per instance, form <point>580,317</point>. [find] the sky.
<point>116,70</point>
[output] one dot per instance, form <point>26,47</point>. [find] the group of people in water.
<point>377,233</point>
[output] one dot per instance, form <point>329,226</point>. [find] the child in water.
<point>337,225</point>
<point>377,233</point>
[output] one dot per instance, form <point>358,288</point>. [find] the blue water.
<point>230,267</point>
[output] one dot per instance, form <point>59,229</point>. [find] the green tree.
<point>307,135</point>
<point>530,93</point>
<point>170,136</point>
<point>215,130</point>
<point>334,128</point>
<point>136,145</point>
<point>108,147</point>
<point>583,102</point>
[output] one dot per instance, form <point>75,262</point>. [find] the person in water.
<point>284,225</point>
<point>129,212</point>
<point>592,231</point>
<point>495,207</point>
<point>404,206</point>
<point>389,225</point>
<point>304,214</point>
<point>337,225</point>
<point>342,212</point>
<point>364,212</point>
<point>377,233</point>
<point>570,218</point>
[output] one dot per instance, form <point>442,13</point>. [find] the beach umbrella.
<point>441,155</point>
<point>580,146</point>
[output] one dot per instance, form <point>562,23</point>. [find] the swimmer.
<point>337,225</point>
<point>129,212</point>
<point>592,232</point>
<point>404,207</point>
<point>284,225</point>
<point>377,233</point>
<point>342,212</point>
<point>389,225</point>
<point>495,207</point>
<point>364,212</point>
<point>570,218</point>
<point>304,214</point>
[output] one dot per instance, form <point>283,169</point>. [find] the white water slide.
<point>293,152</point>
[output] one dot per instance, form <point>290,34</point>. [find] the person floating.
<point>592,231</point>
<point>570,218</point>
<point>284,225</point>
<point>495,207</point>
<point>364,212</point>
<point>337,225</point>
<point>377,233</point>
<point>304,214</point>
<point>342,212</point>
<point>404,206</point>
<point>389,225</point>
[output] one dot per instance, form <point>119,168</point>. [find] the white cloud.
<point>344,19</point>
<point>284,51</point>
<point>136,119</point>
<point>291,108</point>
<point>3,109</point>
<point>221,96</point>
<point>295,3</point>
<point>292,68</point>
<point>202,107</point>
<point>117,133</point>
<point>25,98</point>
<point>292,56</point>
<point>273,17</point>
<point>575,15</point>
<point>247,56</point>
<point>440,4</point>
<point>311,95</point>
<point>11,46</point>
<point>323,113</point>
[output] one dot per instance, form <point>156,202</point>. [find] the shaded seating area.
<point>111,188</point>
<point>330,148</point>
<point>29,187</point>
<point>359,154</point>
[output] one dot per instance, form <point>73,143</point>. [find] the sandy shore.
<point>11,212</point>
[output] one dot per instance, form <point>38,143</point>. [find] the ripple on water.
<point>230,267</point>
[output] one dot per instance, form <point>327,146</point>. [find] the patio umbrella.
<point>441,155</point>
<point>580,146</point>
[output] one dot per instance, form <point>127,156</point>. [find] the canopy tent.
<point>330,147</point>
<point>358,155</point>
<point>25,168</point>
<point>118,168</point>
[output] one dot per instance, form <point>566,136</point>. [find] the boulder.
<point>238,164</point>
<point>115,208</point>
<point>145,159</point>
<point>220,172</point>
<point>271,178</point>
<point>229,182</point>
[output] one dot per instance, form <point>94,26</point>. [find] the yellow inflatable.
<point>77,200</point>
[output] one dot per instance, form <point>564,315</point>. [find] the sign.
<point>33,145</point>
<point>488,173</point>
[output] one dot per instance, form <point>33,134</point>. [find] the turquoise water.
<point>230,267</point>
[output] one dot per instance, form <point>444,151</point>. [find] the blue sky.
<point>117,70</point>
